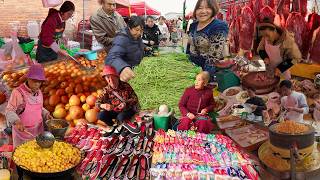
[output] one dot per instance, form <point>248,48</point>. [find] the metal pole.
<point>83,27</point>
<point>145,10</point>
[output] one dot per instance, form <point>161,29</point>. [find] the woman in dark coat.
<point>127,49</point>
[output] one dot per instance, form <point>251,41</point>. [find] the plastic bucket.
<point>161,121</point>
<point>92,55</point>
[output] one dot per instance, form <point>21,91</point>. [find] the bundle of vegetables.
<point>163,79</point>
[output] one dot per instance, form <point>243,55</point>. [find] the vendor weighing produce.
<point>25,111</point>
<point>277,48</point>
<point>51,32</point>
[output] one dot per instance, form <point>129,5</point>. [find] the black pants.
<point>107,116</point>
<point>45,54</point>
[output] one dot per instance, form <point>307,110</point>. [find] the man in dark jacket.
<point>127,49</point>
<point>151,33</point>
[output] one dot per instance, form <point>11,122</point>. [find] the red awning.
<point>189,15</point>
<point>139,9</point>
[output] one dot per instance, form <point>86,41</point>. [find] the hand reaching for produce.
<point>267,61</point>
<point>204,111</point>
<point>191,116</point>
<point>63,52</point>
<point>126,74</point>
<point>298,110</point>
<point>48,116</point>
<point>19,126</point>
<point>253,107</point>
<point>147,48</point>
<point>106,106</point>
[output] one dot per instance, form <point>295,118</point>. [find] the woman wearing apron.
<point>277,48</point>
<point>51,32</point>
<point>25,112</point>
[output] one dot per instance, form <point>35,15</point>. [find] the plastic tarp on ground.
<point>139,8</point>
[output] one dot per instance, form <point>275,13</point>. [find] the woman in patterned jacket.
<point>118,100</point>
<point>207,36</point>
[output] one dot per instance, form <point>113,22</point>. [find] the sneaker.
<point>131,127</point>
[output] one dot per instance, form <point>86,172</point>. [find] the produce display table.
<point>305,70</point>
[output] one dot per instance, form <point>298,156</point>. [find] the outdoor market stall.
<point>68,97</point>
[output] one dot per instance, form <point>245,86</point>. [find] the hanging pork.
<point>297,25</point>
<point>270,3</point>
<point>315,48</point>
<point>282,12</point>
<point>234,30</point>
<point>312,24</point>
<point>247,23</point>
<point>303,8</point>
<point>257,6</point>
<point>266,12</point>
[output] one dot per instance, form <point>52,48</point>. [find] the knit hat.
<point>109,70</point>
<point>36,72</point>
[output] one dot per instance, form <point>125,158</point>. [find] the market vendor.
<point>277,48</point>
<point>294,102</point>
<point>25,111</point>
<point>118,100</point>
<point>51,32</point>
<point>127,49</point>
<point>256,103</point>
<point>207,36</point>
<point>197,101</point>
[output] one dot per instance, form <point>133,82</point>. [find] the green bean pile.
<point>163,79</point>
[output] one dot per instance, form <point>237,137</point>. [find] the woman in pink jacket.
<point>25,112</point>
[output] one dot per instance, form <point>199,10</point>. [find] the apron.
<point>275,59</point>
<point>292,115</point>
<point>44,53</point>
<point>31,118</point>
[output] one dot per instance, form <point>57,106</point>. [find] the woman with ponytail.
<point>51,31</point>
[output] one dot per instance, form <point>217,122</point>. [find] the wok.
<point>25,171</point>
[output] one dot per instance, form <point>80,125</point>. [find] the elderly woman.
<point>197,101</point>
<point>207,36</point>
<point>118,100</point>
<point>25,111</point>
<point>127,49</point>
<point>277,48</point>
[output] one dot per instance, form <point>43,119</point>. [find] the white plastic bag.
<point>51,3</point>
<point>12,54</point>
